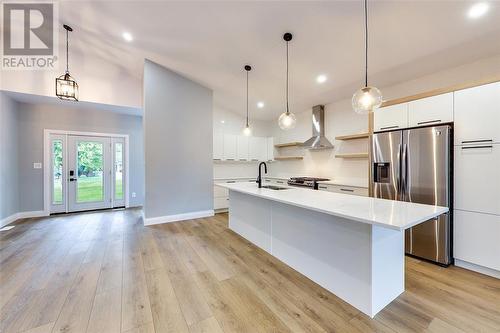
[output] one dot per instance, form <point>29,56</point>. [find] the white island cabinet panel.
<point>431,110</point>
<point>230,147</point>
<point>477,178</point>
<point>477,115</point>
<point>391,117</point>
<point>353,246</point>
<point>477,239</point>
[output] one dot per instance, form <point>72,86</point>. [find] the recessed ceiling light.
<point>127,36</point>
<point>321,78</point>
<point>222,121</point>
<point>477,10</point>
<point>260,105</point>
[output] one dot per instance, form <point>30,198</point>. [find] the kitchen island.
<point>351,245</point>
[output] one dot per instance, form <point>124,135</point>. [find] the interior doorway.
<point>85,171</point>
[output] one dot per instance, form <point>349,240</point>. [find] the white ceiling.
<point>210,42</point>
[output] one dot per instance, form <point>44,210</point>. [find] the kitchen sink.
<point>276,188</point>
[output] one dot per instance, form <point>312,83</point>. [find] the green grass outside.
<point>89,189</point>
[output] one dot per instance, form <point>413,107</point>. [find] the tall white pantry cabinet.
<point>477,178</point>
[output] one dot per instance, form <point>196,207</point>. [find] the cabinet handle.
<point>429,122</point>
<point>323,187</point>
<point>216,159</point>
<point>388,127</point>
<point>476,147</point>
<point>279,182</point>
<point>346,190</point>
<point>229,159</point>
<point>254,159</point>
<point>231,181</point>
<point>477,141</point>
<point>242,159</point>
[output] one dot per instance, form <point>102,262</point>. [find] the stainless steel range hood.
<point>318,140</point>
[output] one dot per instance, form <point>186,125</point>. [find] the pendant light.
<point>66,86</point>
<point>287,119</point>
<point>366,99</point>
<point>247,130</point>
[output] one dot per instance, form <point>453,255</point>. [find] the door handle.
<point>73,179</point>
<point>388,127</point>
<point>429,122</point>
<point>477,141</point>
<point>476,147</point>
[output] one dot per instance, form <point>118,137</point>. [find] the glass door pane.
<point>90,167</point>
<point>57,172</point>
<point>118,171</point>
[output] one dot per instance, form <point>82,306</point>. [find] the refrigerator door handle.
<point>398,176</point>
<point>404,171</point>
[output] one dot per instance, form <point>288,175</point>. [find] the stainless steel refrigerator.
<point>415,165</point>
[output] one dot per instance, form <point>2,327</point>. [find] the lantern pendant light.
<point>247,131</point>
<point>366,99</point>
<point>66,86</point>
<point>287,119</point>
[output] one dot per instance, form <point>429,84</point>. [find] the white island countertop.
<point>397,215</point>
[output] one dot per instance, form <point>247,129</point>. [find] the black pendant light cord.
<point>287,110</point>
<point>366,43</point>
<point>247,98</point>
<point>67,51</point>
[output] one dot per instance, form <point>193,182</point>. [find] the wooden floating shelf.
<point>288,144</point>
<point>352,136</point>
<point>356,155</point>
<point>286,158</point>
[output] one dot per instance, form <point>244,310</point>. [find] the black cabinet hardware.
<point>476,147</point>
<point>429,122</point>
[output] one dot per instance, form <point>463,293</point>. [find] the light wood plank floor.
<point>106,272</point>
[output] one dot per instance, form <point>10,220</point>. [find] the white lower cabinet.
<point>477,238</point>
<point>477,178</point>
<point>221,195</point>
<point>361,191</point>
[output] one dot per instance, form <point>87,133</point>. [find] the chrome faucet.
<point>259,178</point>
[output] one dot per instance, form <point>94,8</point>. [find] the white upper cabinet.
<point>230,147</point>
<point>257,148</point>
<point>477,178</point>
<point>390,117</point>
<point>270,149</point>
<point>477,115</point>
<point>242,148</point>
<point>218,148</point>
<point>431,110</point>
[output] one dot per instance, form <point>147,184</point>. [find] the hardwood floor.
<point>106,272</point>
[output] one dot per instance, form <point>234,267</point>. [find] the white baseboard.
<point>177,217</point>
<point>476,268</point>
<point>21,215</point>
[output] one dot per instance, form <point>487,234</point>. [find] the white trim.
<point>46,162</point>
<point>477,268</point>
<point>21,215</point>
<point>177,217</point>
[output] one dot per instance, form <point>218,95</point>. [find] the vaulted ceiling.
<point>210,42</point>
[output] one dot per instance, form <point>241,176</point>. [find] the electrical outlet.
<point>37,165</point>
<point>134,194</point>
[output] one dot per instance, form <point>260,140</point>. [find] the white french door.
<point>87,172</point>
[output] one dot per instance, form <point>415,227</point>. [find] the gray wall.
<point>178,143</point>
<point>34,118</point>
<point>9,195</point>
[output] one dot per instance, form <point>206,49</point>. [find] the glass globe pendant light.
<point>66,86</point>
<point>366,99</point>
<point>247,131</point>
<point>287,119</point>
